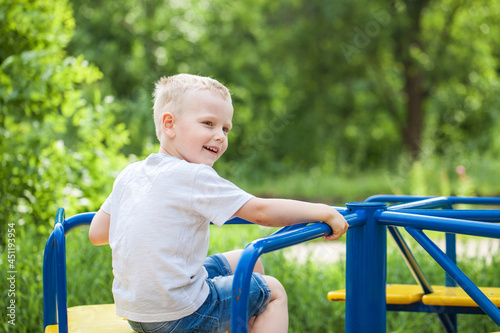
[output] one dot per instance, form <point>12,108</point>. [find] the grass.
<point>432,176</point>
<point>315,186</point>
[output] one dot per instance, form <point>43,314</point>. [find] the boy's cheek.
<point>223,150</point>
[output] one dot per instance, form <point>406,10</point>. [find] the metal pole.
<point>366,276</point>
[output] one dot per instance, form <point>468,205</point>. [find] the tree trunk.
<point>414,85</point>
<point>412,131</point>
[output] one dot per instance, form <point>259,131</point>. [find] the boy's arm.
<point>283,212</point>
<point>99,228</point>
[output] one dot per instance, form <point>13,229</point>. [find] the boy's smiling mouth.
<point>213,150</point>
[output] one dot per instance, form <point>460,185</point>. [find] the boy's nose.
<point>220,135</point>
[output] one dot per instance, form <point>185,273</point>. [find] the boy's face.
<point>200,132</point>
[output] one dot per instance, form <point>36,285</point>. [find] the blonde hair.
<point>171,93</point>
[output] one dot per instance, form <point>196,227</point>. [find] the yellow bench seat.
<point>395,294</point>
<point>455,296</point>
<point>93,319</point>
<point>442,296</point>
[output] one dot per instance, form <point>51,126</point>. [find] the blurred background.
<point>334,100</point>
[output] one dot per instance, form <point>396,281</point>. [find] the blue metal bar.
<point>249,256</point>
<point>451,268</point>
<point>357,218</point>
<point>49,274</point>
<point>49,284</point>
<point>466,227</point>
<point>436,202</point>
<point>290,228</point>
<point>447,320</point>
<point>475,200</point>
<point>451,252</point>
<point>54,269</point>
<point>77,220</point>
<point>60,215</point>
<point>484,215</point>
<point>237,220</point>
<point>396,198</point>
<point>62,302</point>
<point>366,275</point>
<point>410,260</point>
<point>436,309</point>
<point>453,200</point>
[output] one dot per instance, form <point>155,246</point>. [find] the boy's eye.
<point>208,123</point>
<point>225,129</point>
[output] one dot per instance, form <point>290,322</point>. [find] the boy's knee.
<point>277,289</point>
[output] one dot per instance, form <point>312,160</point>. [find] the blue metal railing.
<point>55,304</point>
<point>249,256</point>
<point>448,320</point>
<point>366,254</point>
<point>54,267</point>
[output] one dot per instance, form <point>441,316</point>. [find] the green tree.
<point>337,86</point>
<point>434,70</point>
<point>60,141</point>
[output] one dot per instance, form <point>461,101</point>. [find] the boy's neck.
<point>163,151</point>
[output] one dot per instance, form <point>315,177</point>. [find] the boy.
<point>157,217</point>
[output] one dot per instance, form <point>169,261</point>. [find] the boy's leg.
<point>233,257</point>
<point>275,316</point>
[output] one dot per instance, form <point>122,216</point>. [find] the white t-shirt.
<point>160,211</point>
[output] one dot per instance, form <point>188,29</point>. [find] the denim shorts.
<point>215,314</point>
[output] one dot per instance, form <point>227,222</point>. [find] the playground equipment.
<point>368,258</point>
<point>369,299</point>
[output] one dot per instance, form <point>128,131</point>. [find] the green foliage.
<point>315,84</point>
<point>60,140</point>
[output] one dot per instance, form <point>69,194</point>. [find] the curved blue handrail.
<point>76,221</point>
<point>55,306</point>
<point>54,267</point>
<point>249,256</point>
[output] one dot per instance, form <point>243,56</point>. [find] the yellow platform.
<point>455,296</point>
<point>442,296</point>
<point>93,319</point>
<point>395,294</point>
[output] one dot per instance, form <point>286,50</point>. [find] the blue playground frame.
<point>366,254</point>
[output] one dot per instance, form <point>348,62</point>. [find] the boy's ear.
<point>168,124</point>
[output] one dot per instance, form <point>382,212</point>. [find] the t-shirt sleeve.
<point>106,206</point>
<point>215,197</point>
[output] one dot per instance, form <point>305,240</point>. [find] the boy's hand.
<point>338,224</point>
